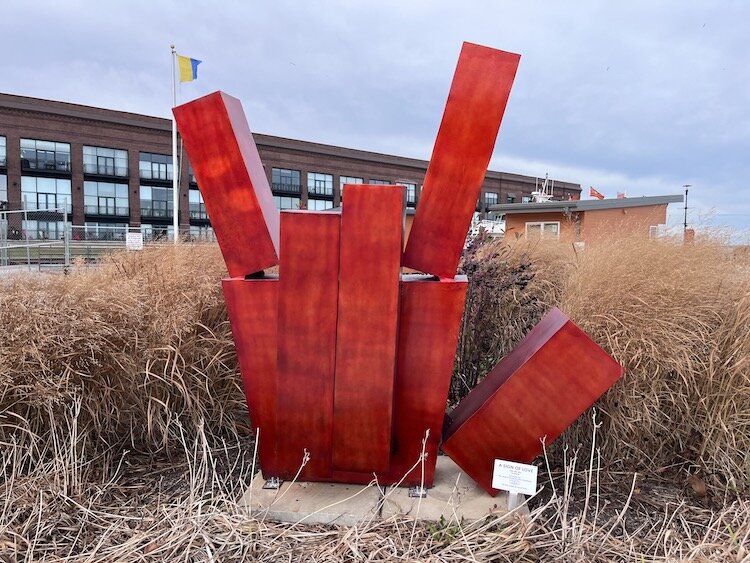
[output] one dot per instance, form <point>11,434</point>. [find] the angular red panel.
<point>553,375</point>
<point>232,180</point>
<point>252,306</point>
<point>429,322</point>
<point>372,226</point>
<point>308,302</point>
<point>463,148</point>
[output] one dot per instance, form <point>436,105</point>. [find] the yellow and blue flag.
<point>188,68</point>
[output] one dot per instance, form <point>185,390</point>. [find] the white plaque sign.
<point>134,241</point>
<point>514,477</point>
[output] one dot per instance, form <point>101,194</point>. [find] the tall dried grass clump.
<point>677,317</point>
<point>133,353</point>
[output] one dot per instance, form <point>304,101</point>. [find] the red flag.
<point>594,193</point>
<point>620,195</point>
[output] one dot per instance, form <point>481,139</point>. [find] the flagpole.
<point>175,169</point>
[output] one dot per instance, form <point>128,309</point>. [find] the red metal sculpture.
<point>346,363</point>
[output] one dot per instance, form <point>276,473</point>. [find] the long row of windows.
<point>51,156</point>
<point>285,181</point>
<point>35,229</point>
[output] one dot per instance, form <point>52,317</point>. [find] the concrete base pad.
<point>454,496</point>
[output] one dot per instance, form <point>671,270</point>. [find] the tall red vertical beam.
<point>232,180</point>
<point>429,320</point>
<point>372,226</point>
<point>308,304</point>
<point>463,148</point>
<point>252,307</point>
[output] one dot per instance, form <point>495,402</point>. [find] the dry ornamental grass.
<point>123,431</point>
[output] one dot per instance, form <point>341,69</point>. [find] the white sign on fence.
<point>514,477</point>
<point>134,241</point>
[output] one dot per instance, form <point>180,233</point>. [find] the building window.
<point>511,198</point>
<point>202,232</point>
<point>543,230</point>
<point>319,204</point>
<point>3,189</point>
<point>319,184</point>
<point>343,180</point>
<point>107,162</point>
<point>381,182</point>
<point>286,181</point>
<point>105,198</point>
<point>155,166</point>
<point>191,174</point>
<point>157,232</point>
<point>43,230</point>
<point>102,231</point>
<point>286,202</point>
<point>3,152</point>
<point>156,202</point>
<point>411,193</point>
<point>526,199</point>
<point>491,198</point>
<point>197,207</point>
<point>45,193</point>
<point>45,155</point>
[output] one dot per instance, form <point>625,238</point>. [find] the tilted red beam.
<point>232,180</point>
<point>554,374</point>
<point>308,273</point>
<point>372,225</point>
<point>252,306</point>
<point>463,148</point>
<point>429,319</point>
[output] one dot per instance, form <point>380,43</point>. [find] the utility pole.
<point>686,186</point>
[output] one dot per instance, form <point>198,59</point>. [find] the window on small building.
<point>45,193</point>
<point>197,206</point>
<point>286,202</point>
<point>105,198</point>
<point>155,166</point>
<point>104,161</point>
<point>3,152</point>
<point>343,180</point>
<point>286,181</point>
<point>547,230</point>
<point>491,198</point>
<point>319,183</point>
<point>45,156</point>
<point>156,202</point>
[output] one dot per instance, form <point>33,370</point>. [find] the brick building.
<point>114,170</point>
<point>588,220</point>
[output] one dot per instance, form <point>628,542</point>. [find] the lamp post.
<point>686,186</point>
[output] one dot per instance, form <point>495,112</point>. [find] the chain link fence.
<point>45,239</point>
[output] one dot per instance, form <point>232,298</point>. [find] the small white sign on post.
<point>514,477</point>
<point>134,241</point>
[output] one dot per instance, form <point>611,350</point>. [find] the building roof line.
<point>584,205</point>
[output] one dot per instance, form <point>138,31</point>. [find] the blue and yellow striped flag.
<point>188,68</point>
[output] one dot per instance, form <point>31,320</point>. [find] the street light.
<point>686,186</point>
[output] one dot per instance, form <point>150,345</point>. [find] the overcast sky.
<point>639,96</point>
